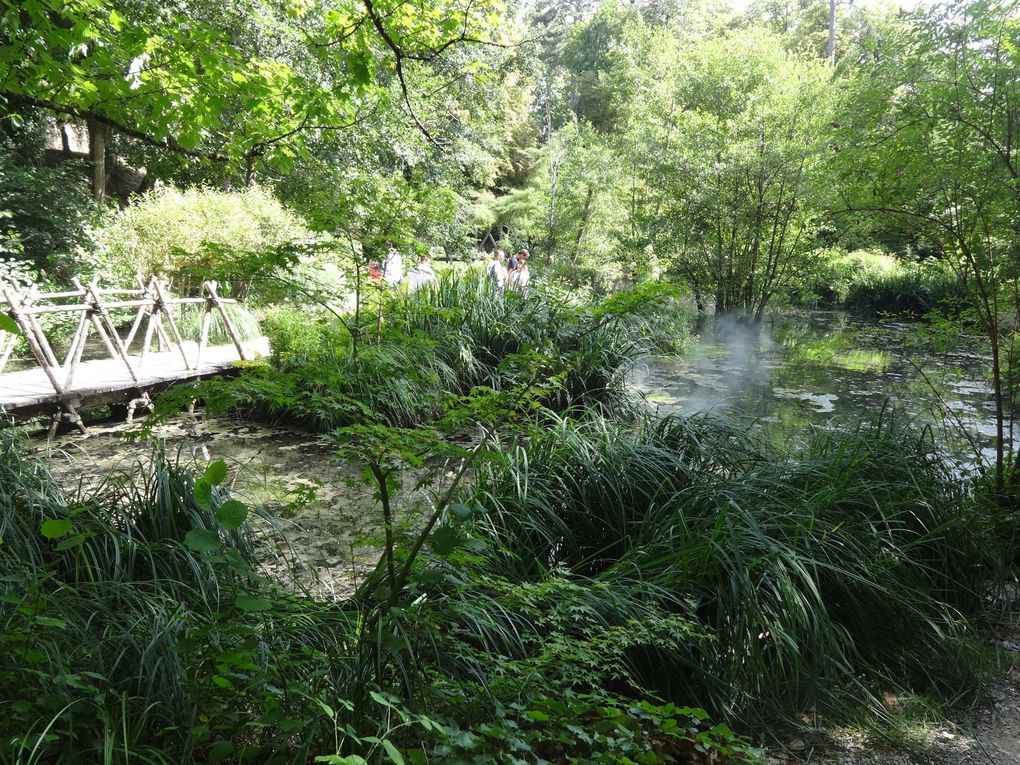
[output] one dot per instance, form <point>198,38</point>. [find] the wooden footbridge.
<point>129,368</point>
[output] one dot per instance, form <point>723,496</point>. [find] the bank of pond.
<point>560,574</point>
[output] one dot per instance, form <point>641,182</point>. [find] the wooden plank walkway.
<point>65,387</point>
<point>102,381</point>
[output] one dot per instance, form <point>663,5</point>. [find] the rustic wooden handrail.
<point>152,304</point>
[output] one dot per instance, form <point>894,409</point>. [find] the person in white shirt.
<point>393,267</point>
<point>421,275</point>
<point>496,272</point>
<point>520,276</point>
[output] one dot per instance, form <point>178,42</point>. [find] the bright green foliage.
<point>875,283</point>
<point>412,354</point>
<point>134,626</point>
<point>729,154</point>
<point>930,139</point>
<point>197,233</point>
<point>200,79</point>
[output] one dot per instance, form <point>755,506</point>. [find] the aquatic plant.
<point>399,358</point>
<point>817,577</point>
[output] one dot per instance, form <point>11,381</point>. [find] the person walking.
<point>496,272</point>
<point>393,267</point>
<point>374,272</point>
<point>421,275</point>
<point>520,276</point>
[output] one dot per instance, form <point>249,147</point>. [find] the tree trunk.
<point>97,148</point>
<point>583,228</point>
<point>832,32</point>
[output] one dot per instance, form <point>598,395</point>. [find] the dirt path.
<point>989,735</point>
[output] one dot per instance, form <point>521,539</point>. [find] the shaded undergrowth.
<point>591,580</point>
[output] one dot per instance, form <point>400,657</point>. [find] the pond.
<point>803,371</point>
<point>323,532</point>
<point>823,369</point>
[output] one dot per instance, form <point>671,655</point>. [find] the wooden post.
<point>163,306</point>
<point>149,327</point>
<point>139,316</point>
<point>33,342</point>
<point>8,342</point>
<point>204,339</point>
<point>210,287</point>
<point>77,346</point>
<point>114,342</point>
<point>40,336</point>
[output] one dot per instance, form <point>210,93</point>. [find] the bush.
<point>194,234</point>
<point>873,283</point>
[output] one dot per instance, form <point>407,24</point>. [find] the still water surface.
<point>823,369</point>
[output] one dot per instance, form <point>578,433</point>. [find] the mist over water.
<point>824,369</point>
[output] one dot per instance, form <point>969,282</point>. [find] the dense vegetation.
<point>576,581</point>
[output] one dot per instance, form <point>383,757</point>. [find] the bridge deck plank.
<point>31,388</point>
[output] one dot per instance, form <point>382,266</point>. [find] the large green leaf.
<point>202,540</point>
<point>216,473</point>
<point>251,603</point>
<point>56,528</point>
<point>444,540</point>
<point>232,514</point>
<point>7,324</point>
<point>202,492</point>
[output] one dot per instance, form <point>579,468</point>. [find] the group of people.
<point>392,271</point>
<point>514,276</point>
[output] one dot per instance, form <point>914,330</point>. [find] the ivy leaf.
<point>203,494</point>
<point>232,514</point>
<point>56,528</point>
<point>7,324</point>
<point>202,540</point>
<point>216,473</point>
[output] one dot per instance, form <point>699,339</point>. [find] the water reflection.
<point>816,369</point>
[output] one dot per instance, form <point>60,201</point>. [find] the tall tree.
<point>199,79</point>
<point>733,167</point>
<point>930,137</point>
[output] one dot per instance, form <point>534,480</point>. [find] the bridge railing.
<point>153,311</point>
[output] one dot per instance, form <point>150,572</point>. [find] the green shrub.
<point>873,283</point>
<point>192,234</point>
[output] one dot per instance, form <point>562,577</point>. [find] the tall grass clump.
<point>399,359</point>
<point>120,641</point>
<point>135,628</point>
<point>817,577</point>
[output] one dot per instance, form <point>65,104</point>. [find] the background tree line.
<point>620,142</point>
